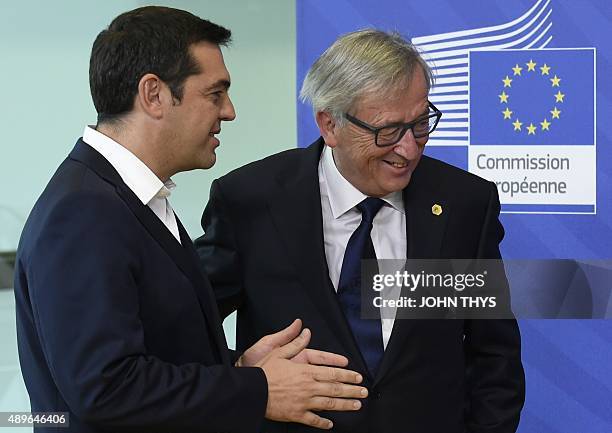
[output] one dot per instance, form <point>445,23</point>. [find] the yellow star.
<point>507,81</point>
<point>555,113</point>
<point>545,125</point>
<point>531,66</point>
<point>559,96</point>
<point>545,69</point>
<point>507,113</point>
<point>531,129</point>
<point>517,125</point>
<point>503,97</point>
<point>517,69</point>
<point>555,81</point>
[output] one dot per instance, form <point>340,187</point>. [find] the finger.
<point>334,404</point>
<point>320,357</point>
<point>284,336</point>
<point>295,346</point>
<point>332,374</point>
<point>339,390</point>
<point>315,420</point>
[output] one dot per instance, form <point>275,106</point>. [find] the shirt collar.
<point>166,190</point>
<point>343,196</point>
<point>136,175</point>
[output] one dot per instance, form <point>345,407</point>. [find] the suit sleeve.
<point>83,282</point>
<point>495,377</point>
<point>218,252</point>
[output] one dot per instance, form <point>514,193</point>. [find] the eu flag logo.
<point>532,97</point>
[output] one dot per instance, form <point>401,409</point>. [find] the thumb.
<point>284,336</point>
<point>296,345</point>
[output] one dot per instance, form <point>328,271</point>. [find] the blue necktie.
<point>367,332</point>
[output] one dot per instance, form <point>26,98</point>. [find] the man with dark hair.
<point>150,39</point>
<point>116,324</point>
<point>296,236</point>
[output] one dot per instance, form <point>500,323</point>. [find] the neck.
<point>143,143</point>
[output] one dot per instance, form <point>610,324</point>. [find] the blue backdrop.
<point>524,86</point>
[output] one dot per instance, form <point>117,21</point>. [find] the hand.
<point>296,390</point>
<point>267,344</point>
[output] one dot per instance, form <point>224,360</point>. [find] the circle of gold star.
<point>545,71</point>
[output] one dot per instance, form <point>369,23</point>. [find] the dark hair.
<point>151,39</point>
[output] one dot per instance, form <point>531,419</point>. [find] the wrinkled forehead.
<point>409,95</point>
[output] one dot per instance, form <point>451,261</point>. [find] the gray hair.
<point>361,63</point>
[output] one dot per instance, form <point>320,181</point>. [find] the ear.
<point>152,95</point>
<point>328,128</point>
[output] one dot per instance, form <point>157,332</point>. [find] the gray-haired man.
<point>284,235</point>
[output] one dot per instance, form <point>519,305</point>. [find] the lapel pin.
<point>436,209</point>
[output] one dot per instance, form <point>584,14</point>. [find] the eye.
<point>216,96</point>
<point>422,125</point>
<point>388,133</point>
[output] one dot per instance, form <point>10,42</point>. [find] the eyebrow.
<point>225,84</point>
<point>424,113</point>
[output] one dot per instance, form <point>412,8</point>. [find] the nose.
<point>408,147</point>
<point>227,112</point>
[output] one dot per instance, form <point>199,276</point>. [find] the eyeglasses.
<point>388,135</point>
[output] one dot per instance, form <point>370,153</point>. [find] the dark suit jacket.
<point>264,254</point>
<point>115,322</point>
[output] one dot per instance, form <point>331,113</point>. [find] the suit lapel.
<point>425,225</point>
<point>296,213</point>
<point>425,233</point>
<point>205,295</point>
<point>180,254</point>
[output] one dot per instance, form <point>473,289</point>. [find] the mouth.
<point>212,134</point>
<point>397,164</point>
<point>213,141</point>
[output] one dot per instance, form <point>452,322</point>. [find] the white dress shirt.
<point>341,218</point>
<point>149,189</point>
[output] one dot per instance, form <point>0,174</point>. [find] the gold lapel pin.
<point>436,209</point>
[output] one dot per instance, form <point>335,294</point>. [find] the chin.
<point>208,164</point>
<point>208,161</point>
<point>397,185</point>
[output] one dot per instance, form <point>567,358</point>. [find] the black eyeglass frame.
<point>405,126</point>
